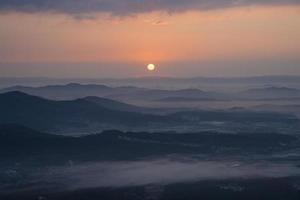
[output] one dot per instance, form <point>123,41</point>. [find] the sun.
<point>151,67</point>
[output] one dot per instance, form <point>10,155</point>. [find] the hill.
<point>114,105</point>
<point>270,93</point>
<point>93,114</point>
<point>74,91</point>
<point>20,142</point>
<point>68,116</point>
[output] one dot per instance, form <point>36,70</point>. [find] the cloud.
<point>160,23</point>
<point>126,7</point>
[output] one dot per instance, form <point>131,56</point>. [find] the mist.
<point>162,172</point>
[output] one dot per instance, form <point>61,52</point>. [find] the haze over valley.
<point>149,100</point>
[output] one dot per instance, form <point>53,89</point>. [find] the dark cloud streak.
<point>127,7</point>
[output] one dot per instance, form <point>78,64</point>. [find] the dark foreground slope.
<point>166,166</point>
<point>241,189</point>
<point>20,142</point>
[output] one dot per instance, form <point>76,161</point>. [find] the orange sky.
<point>235,34</point>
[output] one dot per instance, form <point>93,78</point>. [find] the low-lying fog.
<point>161,171</point>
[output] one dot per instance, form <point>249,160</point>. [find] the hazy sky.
<point>118,38</point>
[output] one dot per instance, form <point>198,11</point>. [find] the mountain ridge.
<point>44,114</point>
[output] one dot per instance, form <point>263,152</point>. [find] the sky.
<point>118,38</point>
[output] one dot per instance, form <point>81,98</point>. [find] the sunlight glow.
<point>151,67</point>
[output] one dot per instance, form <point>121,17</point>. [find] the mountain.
<point>153,82</point>
<point>158,94</point>
<point>63,92</point>
<point>134,94</point>
<point>270,93</point>
<point>293,108</point>
<point>235,116</point>
<point>74,91</point>
<point>114,105</point>
<point>18,133</point>
<point>185,99</point>
<point>139,165</point>
<point>69,116</point>
<point>94,114</point>
<point>19,141</point>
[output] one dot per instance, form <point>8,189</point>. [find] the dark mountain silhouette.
<point>19,141</point>
<point>293,108</point>
<point>67,116</point>
<point>117,105</point>
<point>270,93</point>
<point>19,132</point>
<point>184,99</point>
<point>95,114</point>
<point>158,94</point>
<point>154,81</point>
<point>63,92</point>
<point>75,91</point>
<point>239,116</point>
<point>114,105</point>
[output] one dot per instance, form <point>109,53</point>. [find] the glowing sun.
<point>151,67</point>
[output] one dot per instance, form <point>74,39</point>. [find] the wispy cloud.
<point>160,23</point>
<point>156,22</point>
<point>127,7</point>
